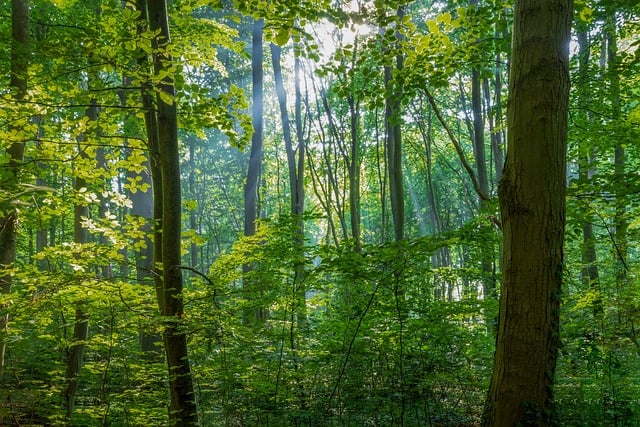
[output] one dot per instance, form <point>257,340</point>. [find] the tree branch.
<point>458,147</point>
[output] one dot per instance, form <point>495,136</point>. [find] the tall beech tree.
<point>394,136</point>
<point>532,205</point>
<point>295,165</point>
<point>15,153</point>
<point>183,410</point>
<point>74,353</point>
<point>251,186</point>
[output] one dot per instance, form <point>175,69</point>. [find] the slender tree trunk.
<point>142,207</point>
<point>441,256</point>
<point>354,172</point>
<point>11,177</point>
<point>153,252</point>
<point>255,313</point>
<point>193,213</point>
<point>590,274</point>
<point>183,409</point>
<point>75,352</point>
<point>297,206</point>
<point>381,153</point>
<point>478,133</point>
<point>479,152</point>
<point>494,114</point>
<point>295,167</point>
<point>532,203</point>
<point>394,143</point>
<point>486,250</point>
<point>333,189</point>
<point>621,225</point>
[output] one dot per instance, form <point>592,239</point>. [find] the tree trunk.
<point>150,205</point>
<point>333,189</point>
<point>254,313</point>
<point>75,352</point>
<point>10,180</point>
<point>621,225</point>
<point>193,212</point>
<point>486,250</point>
<point>183,409</point>
<point>532,203</point>
<point>296,173</point>
<point>354,172</point>
<point>394,143</point>
<point>590,274</point>
<point>494,117</point>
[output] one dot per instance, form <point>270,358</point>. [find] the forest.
<point>319,213</point>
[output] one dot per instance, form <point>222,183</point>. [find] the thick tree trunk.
<point>532,203</point>
<point>183,409</point>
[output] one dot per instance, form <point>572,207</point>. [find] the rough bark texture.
<point>532,203</point>
<point>182,410</point>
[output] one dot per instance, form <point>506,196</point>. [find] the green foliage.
<point>355,358</point>
<point>390,335</point>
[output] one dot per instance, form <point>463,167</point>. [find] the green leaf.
<point>282,36</point>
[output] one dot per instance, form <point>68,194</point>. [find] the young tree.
<point>74,354</point>
<point>295,164</point>
<point>255,157</point>
<point>394,139</point>
<point>532,204</point>
<point>15,153</point>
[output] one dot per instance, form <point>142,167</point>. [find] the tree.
<point>295,166</point>
<point>255,161</point>
<point>15,154</point>
<point>183,410</point>
<point>74,354</point>
<point>393,126</point>
<point>532,204</point>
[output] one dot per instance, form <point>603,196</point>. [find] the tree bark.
<point>183,409</point>
<point>532,204</point>
<point>75,352</point>
<point>621,225</point>
<point>479,152</point>
<point>151,205</point>
<point>296,173</point>
<point>254,313</point>
<point>590,273</point>
<point>394,143</point>
<point>10,180</point>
